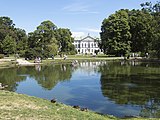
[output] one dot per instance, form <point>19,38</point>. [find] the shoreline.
<point>21,106</point>
<point>125,116</point>
<point>6,62</point>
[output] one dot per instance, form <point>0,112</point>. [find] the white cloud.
<point>78,35</point>
<point>78,8</point>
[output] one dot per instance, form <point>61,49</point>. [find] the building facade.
<point>87,45</point>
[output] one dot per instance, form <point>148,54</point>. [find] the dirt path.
<point>24,62</point>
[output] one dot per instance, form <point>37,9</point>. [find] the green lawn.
<point>15,106</point>
<point>22,107</point>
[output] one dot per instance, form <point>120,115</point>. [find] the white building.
<point>87,45</point>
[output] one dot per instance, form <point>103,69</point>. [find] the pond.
<point>116,88</point>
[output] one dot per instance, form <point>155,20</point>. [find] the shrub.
<point>1,56</point>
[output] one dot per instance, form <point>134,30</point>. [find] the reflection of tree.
<point>8,76</point>
<point>133,85</point>
<point>49,76</point>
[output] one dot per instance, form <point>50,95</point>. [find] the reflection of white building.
<point>88,67</point>
<point>87,45</point>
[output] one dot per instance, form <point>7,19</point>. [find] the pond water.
<point>115,88</point>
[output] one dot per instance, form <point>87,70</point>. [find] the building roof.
<point>87,39</point>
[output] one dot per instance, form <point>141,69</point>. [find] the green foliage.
<point>154,11</point>
<point>1,56</point>
<point>31,53</point>
<point>9,45</point>
<point>132,31</point>
<point>73,52</point>
<point>47,40</point>
<point>42,41</point>
<point>115,34</point>
<point>6,28</point>
<point>141,29</point>
<point>65,40</point>
<point>18,36</point>
<point>21,41</point>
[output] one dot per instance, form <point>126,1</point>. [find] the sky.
<point>82,17</point>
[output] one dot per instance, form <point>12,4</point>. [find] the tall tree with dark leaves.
<point>154,10</point>
<point>9,45</point>
<point>6,28</point>
<point>21,41</point>
<point>115,34</point>
<point>141,29</point>
<point>65,40</point>
<point>42,41</point>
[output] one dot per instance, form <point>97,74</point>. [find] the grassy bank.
<point>80,58</point>
<point>20,107</point>
<point>15,106</point>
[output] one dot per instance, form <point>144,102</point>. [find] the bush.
<point>1,56</point>
<point>73,52</point>
<point>153,54</point>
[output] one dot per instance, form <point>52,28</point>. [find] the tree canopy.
<point>122,33</point>
<point>44,42</point>
<point>115,34</point>
<point>136,31</point>
<point>65,41</point>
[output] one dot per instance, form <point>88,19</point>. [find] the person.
<point>65,57</point>
<point>37,60</point>
<point>53,56</point>
<point>74,63</point>
<point>147,55</point>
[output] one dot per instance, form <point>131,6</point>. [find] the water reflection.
<point>49,76</point>
<point>118,88</point>
<point>8,76</point>
<point>38,67</point>
<point>136,86</point>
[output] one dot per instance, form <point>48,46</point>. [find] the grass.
<point>70,58</point>
<point>15,106</point>
<point>4,64</point>
<point>22,107</point>
<point>10,60</point>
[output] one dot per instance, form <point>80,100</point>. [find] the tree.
<point>154,10</point>
<point>42,41</point>
<point>9,45</point>
<point>6,28</point>
<point>151,8</point>
<point>115,34</point>
<point>140,23</point>
<point>65,40</point>
<point>21,41</point>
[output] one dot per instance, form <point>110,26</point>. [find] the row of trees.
<point>136,31</point>
<point>123,32</point>
<point>45,41</point>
